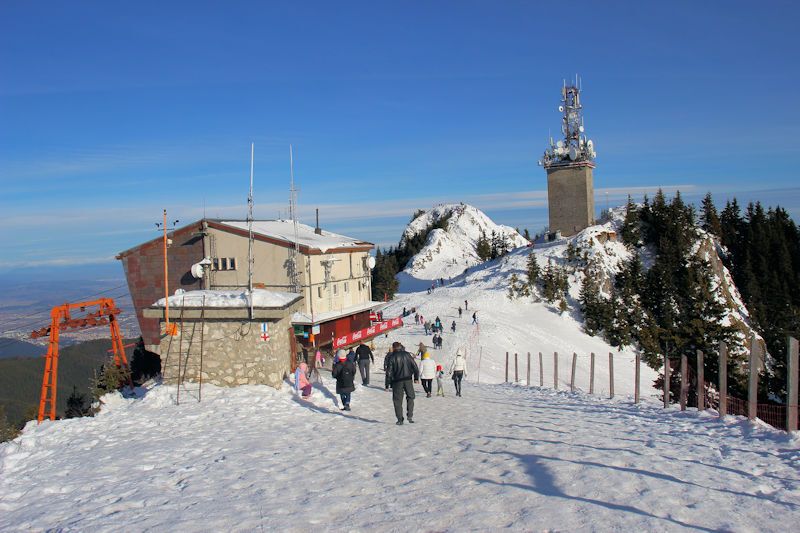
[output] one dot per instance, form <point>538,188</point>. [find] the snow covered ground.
<point>253,458</point>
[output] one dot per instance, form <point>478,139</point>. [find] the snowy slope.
<point>256,459</point>
<point>448,252</point>
<point>525,325</point>
<point>530,325</point>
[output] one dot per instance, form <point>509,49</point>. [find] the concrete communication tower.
<point>569,164</point>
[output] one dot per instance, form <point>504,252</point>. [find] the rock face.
<point>450,249</point>
<point>234,353</point>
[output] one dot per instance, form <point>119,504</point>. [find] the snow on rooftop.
<point>284,230</point>
<point>229,299</point>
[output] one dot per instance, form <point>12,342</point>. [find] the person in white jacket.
<point>459,369</point>
<point>427,371</point>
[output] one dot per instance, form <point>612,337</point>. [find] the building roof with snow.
<point>310,241</point>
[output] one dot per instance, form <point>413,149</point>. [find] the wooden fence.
<point>707,394</point>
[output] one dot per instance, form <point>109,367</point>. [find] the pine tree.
<point>483,248</point>
<point>591,304</point>
<point>532,270</point>
<point>709,220</point>
<point>110,378</point>
<point>527,235</point>
<point>513,288</point>
<point>631,232</point>
<point>77,405</point>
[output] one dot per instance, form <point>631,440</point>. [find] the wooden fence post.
<point>611,374</point>
<point>555,370</point>
<point>572,377</point>
<point>638,379</point>
<point>506,367</point>
<point>528,378</point>
<point>591,373</point>
<point>701,382</point>
<point>752,383</point>
<point>667,376</point>
<point>516,368</point>
<point>541,370</point>
<point>791,385</point>
<point>684,379</point>
<point>723,379</point>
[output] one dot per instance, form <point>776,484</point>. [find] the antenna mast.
<point>250,234</point>
<point>294,278</point>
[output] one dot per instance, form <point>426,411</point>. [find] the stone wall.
<point>233,353</point>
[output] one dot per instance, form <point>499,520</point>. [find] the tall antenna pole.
<point>293,272</point>
<point>250,234</point>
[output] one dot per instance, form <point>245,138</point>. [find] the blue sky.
<point>110,112</point>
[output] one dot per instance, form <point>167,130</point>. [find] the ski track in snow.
<point>502,456</point>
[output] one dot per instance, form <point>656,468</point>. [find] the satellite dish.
<point>580,129</point>
<point>561,109</point>
<point>197,270</point>
<point>371,262</point>
<point>573,153</point>
<point>560,144</point>
<point>590,145</point>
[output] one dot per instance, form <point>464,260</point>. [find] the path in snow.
<point>253,458</point>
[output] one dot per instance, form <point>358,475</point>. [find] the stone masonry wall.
<point>233,353</point>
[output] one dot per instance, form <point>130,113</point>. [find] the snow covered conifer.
<point>532,270</point>
<point>631,232</point>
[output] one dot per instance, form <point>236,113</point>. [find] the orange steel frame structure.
<point>61,319</point>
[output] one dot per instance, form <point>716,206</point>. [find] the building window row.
<point>223,263</point>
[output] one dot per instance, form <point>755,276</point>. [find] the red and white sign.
<point>366,333</point>
<point>265,331</point>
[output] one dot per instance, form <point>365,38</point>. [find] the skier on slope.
<point>453,326</point>
<point>475,317</point>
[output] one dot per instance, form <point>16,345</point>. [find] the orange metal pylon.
<point>60,319</point>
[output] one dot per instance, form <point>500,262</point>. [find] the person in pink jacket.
<point>301,383</point>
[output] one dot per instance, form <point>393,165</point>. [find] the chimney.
<point>318,230</point>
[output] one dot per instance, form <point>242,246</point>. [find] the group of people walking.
<point>400,367</point>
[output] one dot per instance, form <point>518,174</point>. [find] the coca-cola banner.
<point>363,334</point>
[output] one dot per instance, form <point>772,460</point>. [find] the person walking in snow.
<point>475,317</point>
<point>459,311</point>
<point>400,370</point>
<point>458,369</point>
<point>466,306</point>
<point>344,373</point>
<point>427,372</point>
<point>365,356</point>
<point>438,323</point>
<point>421,349</point>
<point>439,381</point>
<point>351,356</point>
<point>301,383</point>
<point>453,326</point>
<point>427,326</point>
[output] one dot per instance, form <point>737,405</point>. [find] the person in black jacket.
<point>344,372</point>
<point>400,370</point>
<point>365,357</point>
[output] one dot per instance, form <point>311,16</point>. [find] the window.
<point>223,263</point>
<point>335,289</point>
<point>345,287</point>
<point>319,292</point>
